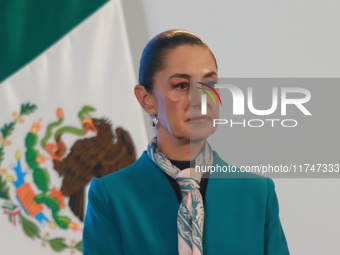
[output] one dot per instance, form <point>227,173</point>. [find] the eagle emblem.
<point>32,199</point>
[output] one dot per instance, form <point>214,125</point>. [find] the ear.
<point>145,99</point>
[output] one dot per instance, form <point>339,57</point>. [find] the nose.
<point>195,95</point>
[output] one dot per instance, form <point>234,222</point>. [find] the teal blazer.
<point>134,212</point>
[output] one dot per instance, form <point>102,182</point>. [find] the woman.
<point>156,206</point>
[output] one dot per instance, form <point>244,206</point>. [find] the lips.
<point>199,119</point>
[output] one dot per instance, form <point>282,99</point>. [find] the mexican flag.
<point>68,114</point>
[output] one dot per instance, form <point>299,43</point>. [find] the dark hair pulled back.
<point>152,59</point>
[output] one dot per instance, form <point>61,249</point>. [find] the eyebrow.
<point>187,76</point>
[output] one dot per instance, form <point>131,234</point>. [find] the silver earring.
<point>154,120</point>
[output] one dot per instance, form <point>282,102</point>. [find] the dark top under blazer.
<point>134,212</point>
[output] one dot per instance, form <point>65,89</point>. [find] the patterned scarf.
<point>190,218</point>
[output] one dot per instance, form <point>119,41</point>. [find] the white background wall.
<point>290,38</point>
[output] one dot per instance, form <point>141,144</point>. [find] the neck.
<point>180,149</point>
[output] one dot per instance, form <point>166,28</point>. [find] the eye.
<point>211,83</point>
<point>182,85</point>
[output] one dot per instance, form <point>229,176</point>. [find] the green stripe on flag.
<point>29,27</point>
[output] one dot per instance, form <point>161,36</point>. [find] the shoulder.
<point>222,169</point>
<point>135,169</point>
<point>240,180</point>
<point>142,171</point>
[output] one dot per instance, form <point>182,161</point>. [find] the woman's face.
<point>175,109</point>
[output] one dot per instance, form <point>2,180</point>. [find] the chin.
<point>199,133</point>
<point>198,137</point>
<point>194,131</point>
